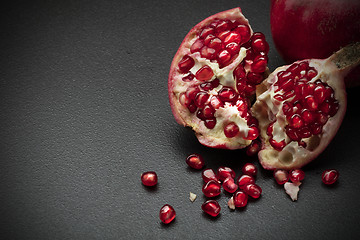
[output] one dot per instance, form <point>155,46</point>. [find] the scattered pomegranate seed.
<point>211,207</point>
<point>240,199</point>
<point>229,185</point>
<point>211,189</point>
<point>209,174</point>
<point>297,175</point>
<point>225,172</point>
<point>167,214</point>
<point>231,130</point>
<point>253,190</point>
<point>253,148</point>
<point>281,176</point>
<point>330,176</point>
<point>195,161</point>
<point>249,169</point>
<point>244,180</point>
<point>149,178</point>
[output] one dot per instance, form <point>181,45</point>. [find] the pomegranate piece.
<point>252,190</point>
<point>330,176</point>
<point>211,189</point>
<point>229,185</point>
<point>281,176</point>
<point>244,180</point>
<point>211,207</point>
<point>195,161</point>
<point>240,199</point>
<point>225,172</point>
<point>249,169</point>
<point>296,175</point>
<point>296,127</point>
<point>292,189</point>
<point>209,174</point>
<point>149,178</point>
<point>167,214</point>
<point>231,203</point>
<point>214,75</point>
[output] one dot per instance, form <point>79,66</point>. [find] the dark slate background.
<point>84,111</point>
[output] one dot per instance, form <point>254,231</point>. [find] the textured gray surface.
<point>84,111</point>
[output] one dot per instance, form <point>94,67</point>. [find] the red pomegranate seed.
<point>311,102</point>
<point>186,63</point>
<point>231,130</point>
<point>207,31</point>
<point>208,39</point>
<point>233,48</point>
<point>211,207</point>
<point>201,98</point>
<point>311,73</point>
<point>227,94</point>
<point>189,77</point>
<point>244,31</point>
<point>240,199</point>
<point>277,145</point>
<point>292,133</point>
<point>229,185</point>
<point>197,45</point>
<point>296,121</point>
<point>205,73</point>
<point>239,72</point>
<point>260,45</point>
<point>207,52</point>
<point>253,190</point>
<point>259,65</point>
<point>253,148</point>
<point>223,35</point>
<point>149,178</point>
<point>304,132</point>
<point>211,188</point>
<point>195,161</point>
<point>269,129</point>
<point>296,175</point>
<point>208,111</point>
<point>281,176</point>
<point>249,169</point>
<point>244,180</point>
<point>215,44</point>
<point>254,78</point>
<point>253,133</point>
<point>330,176</point>
<point>307,116</point>
<point>210,123</point>
<point>316,128</point>
<point>224,57</point>
<point>191,92</point>
<point>209,174</point>
<point>167,214</point>
<point>225,172</point>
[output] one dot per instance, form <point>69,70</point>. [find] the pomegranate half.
<point>212,77</point>
<point>300,108</point>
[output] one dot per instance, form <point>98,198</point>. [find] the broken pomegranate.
<point>149,178</point>
<point>211,189</point>
<point>212,77</point>
<point>330,176</point>
<point>300,108</point>
<point>229,185</point>
<point>167,214</point>
<point>211,207</point>
<point>195,161</point>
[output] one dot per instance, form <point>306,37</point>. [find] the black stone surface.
<point>84,111</point>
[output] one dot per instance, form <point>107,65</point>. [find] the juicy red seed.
<point>244,180</point>
<point>224,57</point>
<point>303,66</point>
<point>215,44</point>
<point>184,100</point>
<point>254,78</point>
<point>208,111</point>
<point>186,63</point>
<point>269,129</point>
<point>207,31</point>
<point>223,35</point>
<point>207,52</point>
<point>329,176</point>
<point>231,130</point>
<point>249,89</point>
<point>292,133</point>
<point>296,175</point>
<point>259,64</point>
<point>322,118</point>
<point>281,176</point>
<point>197,45</point>
<point>249,169</point>
<point>188,78</point>
<point>289,94</point>
<point>286,108</point>
<point>311,103</point>
<point>288,85</point>
<point>253,190</point>
<point>252,122</point>
<point>210,123</point>
<point>253,133</point>
<point>225,172</point>
<point>316,128</point>
<point>195,161</point>
<point>279,97</point>
<point>325,107</point>
<point>167,214</point>
<point>215,83</point>
<point>294,69</point>
<point>239,72</point>
<point>307,116</point>
<point>229,185</point>
<point>209,174</point>
<point>232,37</point>
<point>233,48</point>
<point>201,98</point>
<point>302,144</point>
<point>257,35</point>
<point>149,178</point>
<point>205,73</point>
<point>253,148</point>
<point>319,93</point>
<point>192,92</point>
<point>211,207</point>
<point>277,145</point>
<point>311,73</point>
<point>334,107</point>
<point>240,199</point>
<point>192,108</point>
<point>304,132</point>
<point>250,55</point>
<point>223,25</point>
<point>244,31</point>
<point>211,188</point>
<point>215,102</point>
<point>296,121</point>
<point>260,45</point>
<point>208,39</point>
<point>200,114</point>
<point>284,76</point>
<point>227,94</point>
<point>241,105</point>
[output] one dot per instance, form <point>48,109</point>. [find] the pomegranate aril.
<point>334,107</point>
<point>186,63</point>
<point>281,176</point>
<point>200,114</point>
<point>322,118</point>
<point>223,25</point>
<point>188,78</point>
<point>197,45</point>
<point>206,32</point>
<point>296,175</point>
<point>240,199</point>
<point>304,132</point>
<point>233,48</point>
<point>253,148</point>
<point>244,31</point>
<point>239,72</point>
<point>209,174</point>
<point>149,178</point>
<point>329,176</point>
<point>205,73</point>
<point>311,103</point>
<point>307,116</point>
<point>254,78</point>
<point>223,35</point>
<point>316,128</point>
<point>311,73</point>
<point>253,133</point>
<point>277,145</point>
<point>292,133</point>
<point>252,190</point>
<point>225,172</point>
<point>167,214</point>
<point>296,121</point>
<point>215,102</point>
<point>229,185</point>
<point>210,123</point>
<point>284,76</point>
<point>216,44</point>
<point>224,57</point>
<point>227,94</point>
<point>208,39</point>
<point>231,130</point>
<point>319,93</point>
<point>195,161</point>
<point>208,53</point>
<point>259,65</point>
<point>211,207</point>
<point>191,92</point>
<point>269,130</point>
<point>249,169</point>
<point>260,45</point>
<point>244,180</point>
<point>232,37</point>
<point>208,111</point>
<point>201,98</point>
<point>192,108</point>
<point>211,188</point>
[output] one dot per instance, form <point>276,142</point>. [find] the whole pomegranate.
<point>304,29</point>
<point>213,76</point>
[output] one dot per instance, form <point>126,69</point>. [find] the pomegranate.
<point>149,178</point>
<point>167,214</point>
<point>211,207</point>
<point>195,161</point>
<point>212,77</point>
<point>225,172</point>
<point>209,174</point>
<point>252,190</point>
<point>315,29</point>
<point>296,175</point>
<point>244,180</point>
<point>330,176</point>
<point>229,185</point>
<point>211,189</point>
<point>253,148</point>
<point>240,199</point>
<point>249,169</point>
<point>281,176</point>
<point>300,108</point>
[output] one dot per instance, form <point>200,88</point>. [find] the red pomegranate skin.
<point>303,29</point>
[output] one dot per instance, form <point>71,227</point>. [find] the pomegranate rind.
<point>292,155</point>
<point>209,137</point>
